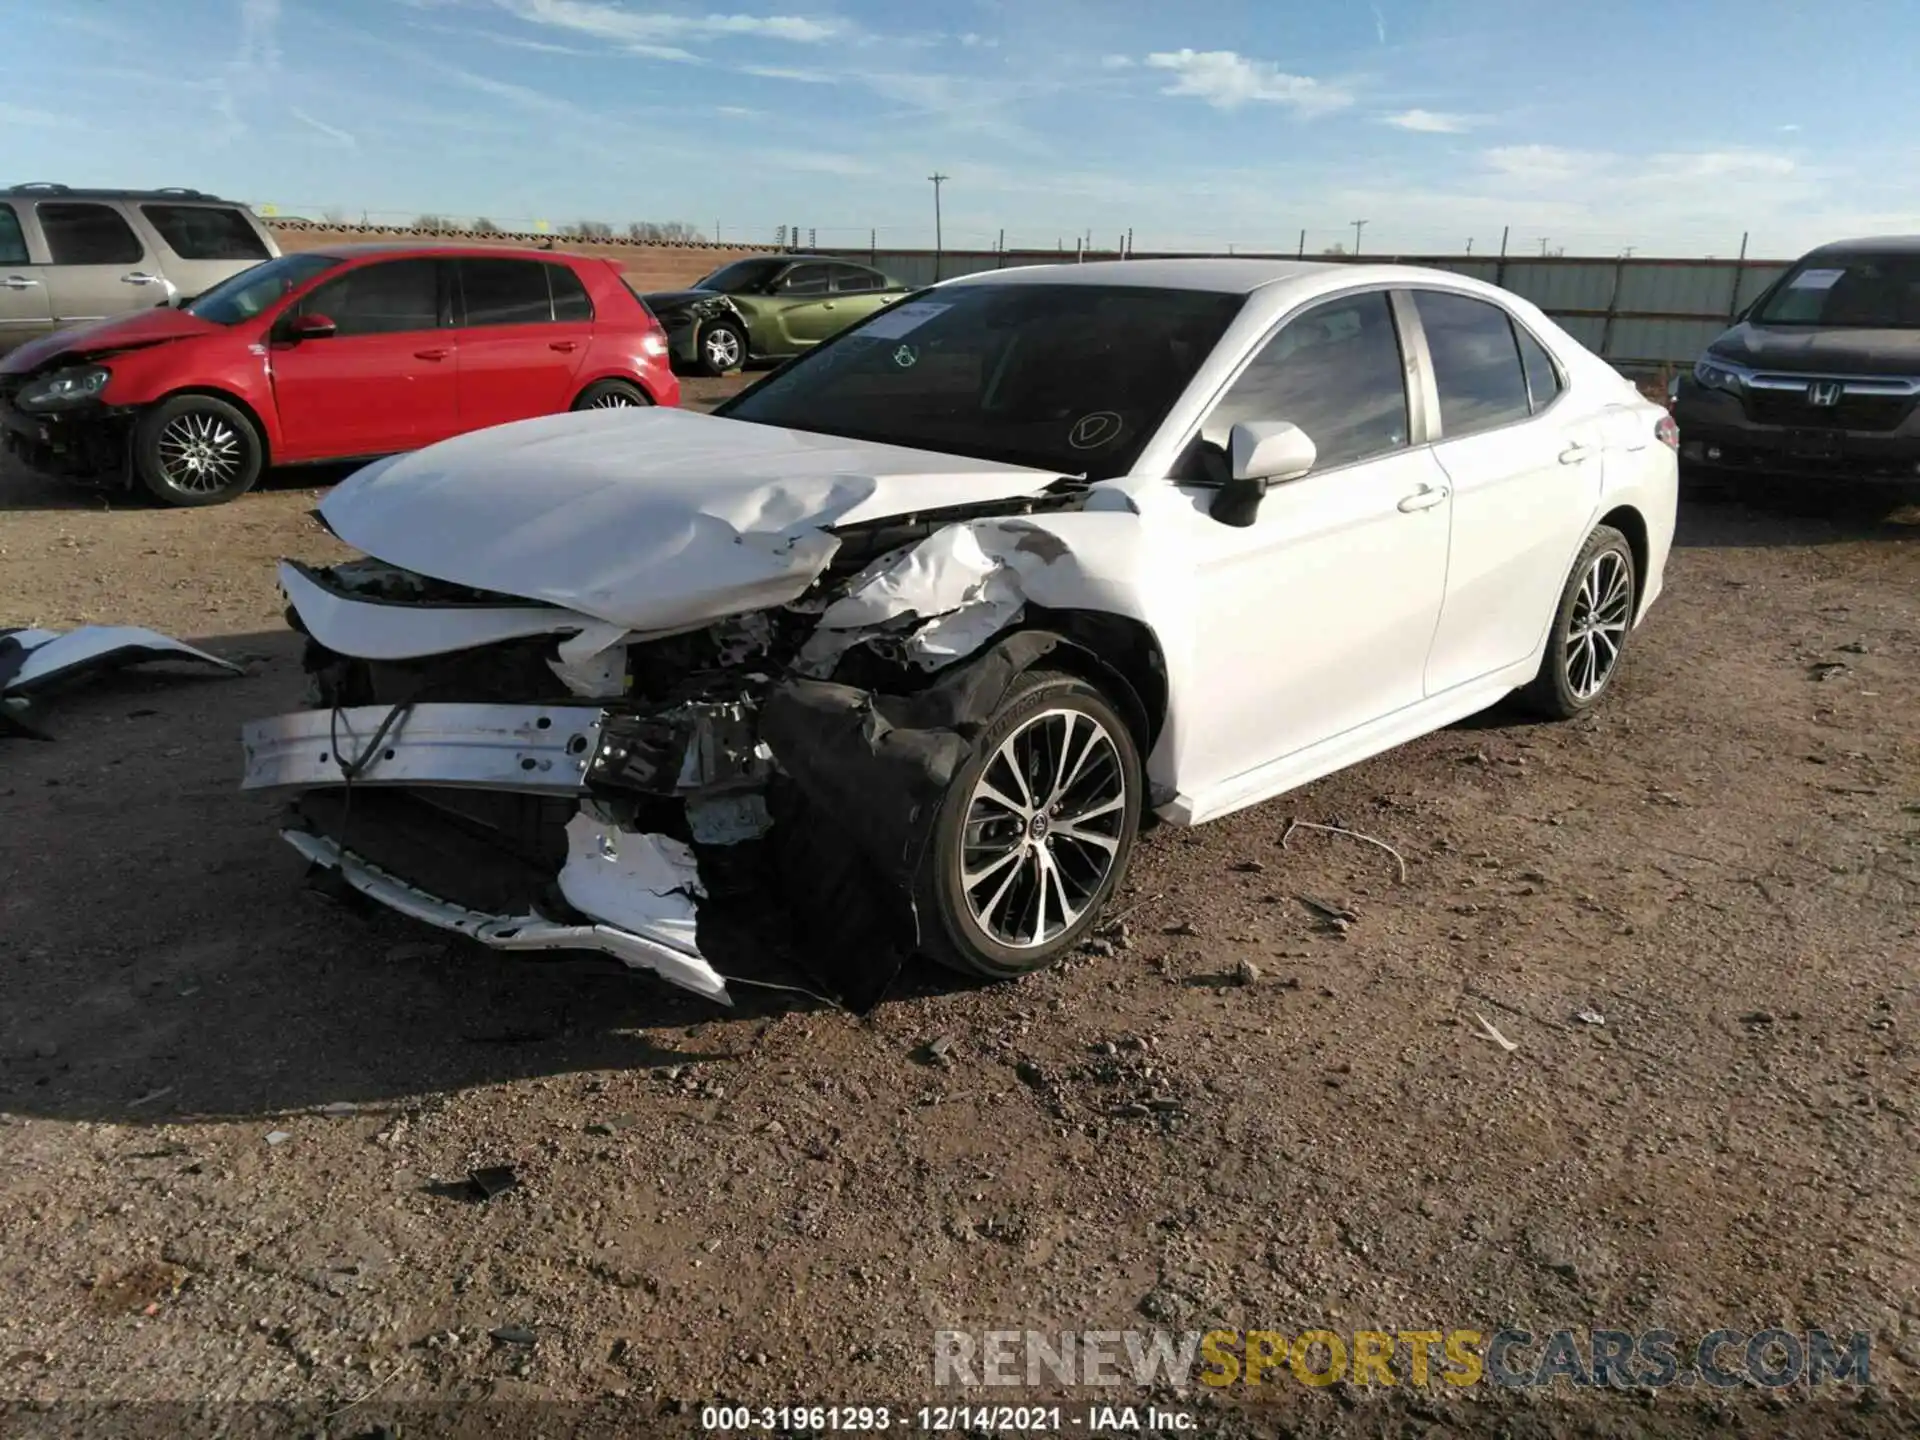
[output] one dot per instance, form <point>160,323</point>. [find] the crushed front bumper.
<point>542,863</point>
<point>89,443</point>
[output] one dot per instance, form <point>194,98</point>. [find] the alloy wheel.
<point>1043,828</point>
<point>613,400</point>
<point>1597,628</point>
<point>200,453</point>
<point>723,348</point>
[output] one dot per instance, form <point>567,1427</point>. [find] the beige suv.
<point>69,256</point>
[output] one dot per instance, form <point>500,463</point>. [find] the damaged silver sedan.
<point>914,632</point>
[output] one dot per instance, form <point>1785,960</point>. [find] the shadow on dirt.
<point>1763,511</point>
<point>164,959</point>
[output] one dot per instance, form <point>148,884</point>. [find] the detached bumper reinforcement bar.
<point>538,749</point>
<point>510,932</point>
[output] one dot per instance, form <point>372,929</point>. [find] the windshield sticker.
<point>1815,279</point>
<point>1094,429</point>
<point>892,324</point>
<point>905,357</point>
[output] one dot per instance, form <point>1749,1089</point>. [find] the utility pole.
<point>1302,253</point>
<point>1469,244</point>
<point>1626,252</point>
<point>1358,226</point>
<point>1543,245</point>
<point>938,247</point>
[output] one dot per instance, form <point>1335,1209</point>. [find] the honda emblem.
<point>1824,392</point>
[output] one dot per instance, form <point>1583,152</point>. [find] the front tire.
<point>194,450</point>
<point>723,347</point>
<point>1590,629</point>
<point>1034,832</point>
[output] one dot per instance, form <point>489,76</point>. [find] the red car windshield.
<point>241,297</point>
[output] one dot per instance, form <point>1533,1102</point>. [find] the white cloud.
<point>1431,122</point>
<point>636,28</point>
<point>1379,25</point>
<point>738,112</point>
<point>22,115</point>
<point>1226,81</point>
<point>789,72</point>
<point>332,132</point>
<point>1541,164</point>
<point>1721,165</point>
<point>1116,62</point>
<point>1788,129</point>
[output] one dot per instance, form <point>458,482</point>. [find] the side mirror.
<point>310,327</point>
<point>1263,454</point>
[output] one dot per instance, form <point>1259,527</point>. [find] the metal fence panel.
<point>1645,311</point>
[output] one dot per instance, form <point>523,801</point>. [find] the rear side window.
<point>1476,363</point>
<point>852,279</point>
<point>570,298</point>
<point>205,232</point>
<point>80,234</point>
<point>505,292</point>
<point>805,280</point>
<point>1333,370</point>
<point>13,243</point>
<point>1543,379</point>
<point>381,299</point>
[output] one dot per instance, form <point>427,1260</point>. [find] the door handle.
<point>438,354</point>
<point>139,277</point>
<point>1575,453</point>
<point>18,282</point>
<point>1425,498</point>
<point>563,345</point>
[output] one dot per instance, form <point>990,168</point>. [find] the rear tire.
<point>1034,832</point>
<point>611,395</point>
<point>194,450</point>
<point>1591,624</point>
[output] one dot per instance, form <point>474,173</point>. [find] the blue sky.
<point>1668,125</point>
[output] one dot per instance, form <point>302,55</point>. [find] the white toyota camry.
<point>916,630</point>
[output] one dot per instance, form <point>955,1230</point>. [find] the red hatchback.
<point>339,354</point>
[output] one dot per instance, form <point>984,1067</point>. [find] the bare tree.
<point>483,226</point>
<point>658,232</point>
<point>334,215</point>
<point>1335,249</point>
<point>589,230</point>
<point>431,222</point>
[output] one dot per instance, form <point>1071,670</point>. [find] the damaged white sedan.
<point>913,632</point>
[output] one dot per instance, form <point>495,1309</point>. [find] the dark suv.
<point>1819,376</point>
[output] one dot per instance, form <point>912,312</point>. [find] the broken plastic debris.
<point>728,819</point>
<point>1589,1017</point>
<point>31,660</point>
<point>1487,1032</point>
<point>278,1137</point>
<point>492,1180</point>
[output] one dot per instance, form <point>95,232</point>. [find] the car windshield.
<point>243,296</point>
<point>1071,378</point>
<point>740,277</point>
<point>1847,291</point>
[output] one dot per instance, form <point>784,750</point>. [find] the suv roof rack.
<point>49,187</point>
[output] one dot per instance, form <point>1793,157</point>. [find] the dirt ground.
<point>782,1203</point>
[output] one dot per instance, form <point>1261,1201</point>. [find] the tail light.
<point>1667,432</point>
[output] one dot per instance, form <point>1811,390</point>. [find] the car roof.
<point>46,190</point>
<point>1224,276</point>
<point>362,249</point>
<point>1873,244</point>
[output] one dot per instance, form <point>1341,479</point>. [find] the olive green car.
<point>767,307</point>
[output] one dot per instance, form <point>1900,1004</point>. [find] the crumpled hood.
<point>651,519</point>
<point>679,299</point>
<point>1815,349</point>
<point>123,332</point>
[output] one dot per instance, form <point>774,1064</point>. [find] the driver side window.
<point>1334,370</point>
<point>390,297</point>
